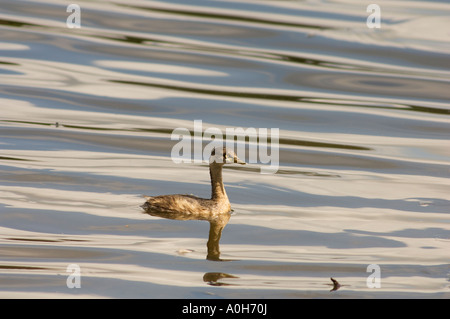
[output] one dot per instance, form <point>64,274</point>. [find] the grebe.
<point>191,207</point>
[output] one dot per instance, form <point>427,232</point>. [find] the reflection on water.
<point>216,225</point>
<point>85,130</point>
<point>212,278</point>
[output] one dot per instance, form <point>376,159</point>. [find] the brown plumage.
<point>192,207</point>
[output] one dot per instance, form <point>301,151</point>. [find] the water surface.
<point>85,130</point>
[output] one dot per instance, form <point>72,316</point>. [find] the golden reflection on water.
<point>216,226</point>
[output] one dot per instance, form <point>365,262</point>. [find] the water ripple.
<point>85,131</point>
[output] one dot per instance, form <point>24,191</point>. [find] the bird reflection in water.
<point>212,278</point>
<point>216,226</point>
<point>188,207</point>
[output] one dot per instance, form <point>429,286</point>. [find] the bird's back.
<point>184,207</point>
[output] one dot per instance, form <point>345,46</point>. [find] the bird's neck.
<point>217,188</point>
<point>215,232</point>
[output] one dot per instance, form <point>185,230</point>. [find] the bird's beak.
<point>237,160</point>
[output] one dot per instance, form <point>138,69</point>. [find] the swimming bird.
<point>192,207</point>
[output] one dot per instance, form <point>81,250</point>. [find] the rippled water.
<point>86,121</point>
